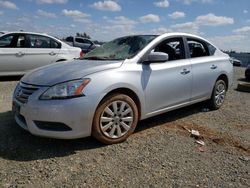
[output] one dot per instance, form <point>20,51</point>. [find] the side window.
<point>79,40</point>
<point>69,39</point>
<point>197,48</point>
<point>21,42</point>
<point>54,44</point>
<point>6,41</point>
<point>173,47</point>
<point>211,49</point>
<point>37,41</point>
<point>86,41</point>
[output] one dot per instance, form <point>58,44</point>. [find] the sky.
<point>226,23</point>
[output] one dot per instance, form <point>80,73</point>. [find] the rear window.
<point>211,49</point>
<point>69,39</point>
<point>197,48</point>
<point>37,41</point>
<point>79,40</point>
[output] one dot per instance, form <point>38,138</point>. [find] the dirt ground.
<point>160,153</point>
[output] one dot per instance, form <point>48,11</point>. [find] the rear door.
<point>13,49</point>
<point>168,83</point>
<point>205,67</point>
<point>42,51</point>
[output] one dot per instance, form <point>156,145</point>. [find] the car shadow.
<point>168,117</point>
<point>19,145</point>
<point>10,78</point>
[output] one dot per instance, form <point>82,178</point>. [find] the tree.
<point>84,35</point>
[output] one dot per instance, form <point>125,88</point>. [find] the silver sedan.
<point>116,85</point>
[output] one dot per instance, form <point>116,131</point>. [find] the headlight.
<point>65,90</point>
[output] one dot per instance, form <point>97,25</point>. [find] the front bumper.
<point>76,113</point>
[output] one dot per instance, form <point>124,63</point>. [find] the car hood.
<point>62,72</point>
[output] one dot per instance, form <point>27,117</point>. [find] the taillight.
<point>82,54</point>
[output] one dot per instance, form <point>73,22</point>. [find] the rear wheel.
<point>115,119</point>
<point>218,95</point>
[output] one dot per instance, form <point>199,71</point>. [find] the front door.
<point>12,52</point>
<point>168,83</point>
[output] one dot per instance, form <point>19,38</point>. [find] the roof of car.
<point>27,32</point>
<point>172,34</point>
<point>34,33</point>
<point>180,34</point>
<point>186,35</point>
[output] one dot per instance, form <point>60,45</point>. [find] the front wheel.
<point>115,119</point>
<point>218,95</point>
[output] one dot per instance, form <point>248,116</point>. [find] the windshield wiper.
<point>101,58</point>
<point>96,58</point>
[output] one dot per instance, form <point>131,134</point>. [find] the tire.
<point>243,86</point>
<point>218,95</point>
<point>115,119</point>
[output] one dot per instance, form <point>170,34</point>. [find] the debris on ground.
<point>200,142</point>
<point>218,140</point>
<point>201,149</point>
<point>195,133</point>
<point>244,158</point>
<point>243,86</point>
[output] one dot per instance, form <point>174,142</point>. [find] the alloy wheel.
<point>220,94</point>
<point>116,119</point>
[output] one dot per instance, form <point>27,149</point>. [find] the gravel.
<point>160,153</point>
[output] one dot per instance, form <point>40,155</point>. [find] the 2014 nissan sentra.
<point>116,85</point>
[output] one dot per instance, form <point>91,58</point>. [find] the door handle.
<point>19,54</point>
<point>213,67</point>
<point>185,71</point>
<point>52,53</point>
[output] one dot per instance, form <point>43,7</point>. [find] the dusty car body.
<point>116,85</point>
<point>21,52</point>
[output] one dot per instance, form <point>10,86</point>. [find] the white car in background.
<point>21,52</point>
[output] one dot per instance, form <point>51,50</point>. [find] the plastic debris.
<point>195,133</point>
<point>200,142</point>
<point>201,149</point>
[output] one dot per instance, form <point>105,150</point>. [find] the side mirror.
<point>156,57</point>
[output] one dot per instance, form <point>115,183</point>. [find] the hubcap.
<point>116,119</point>
<point>220,94</point>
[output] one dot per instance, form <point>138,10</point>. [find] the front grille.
<point>24,91</point>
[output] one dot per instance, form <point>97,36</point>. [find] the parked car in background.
<point>85,44</point>
<point>21,52</point>
<point>123,81</point>
<point>236,62</point>
<point>247,72</point>
<point>1,33</point>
